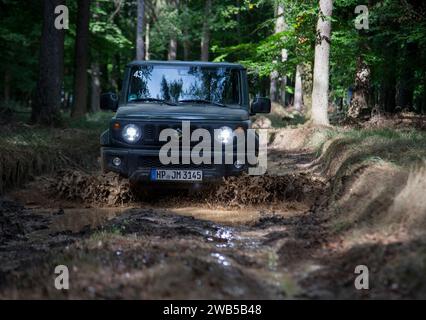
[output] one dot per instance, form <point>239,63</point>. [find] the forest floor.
<point>333,199</point>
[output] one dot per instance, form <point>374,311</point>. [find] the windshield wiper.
<point>153,100</point>
<point>203,101</point>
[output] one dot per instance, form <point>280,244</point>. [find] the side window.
<point>232,89</point>
<point>139,82</point>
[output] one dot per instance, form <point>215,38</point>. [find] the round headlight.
<point>131,133</point>
<point>224,135</point>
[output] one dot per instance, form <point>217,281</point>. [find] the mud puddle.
<point>148,253</point>
<point>77,219</point>
<point>230,243</point>
<point>176,256</point>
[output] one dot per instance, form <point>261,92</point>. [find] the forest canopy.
<point>378,66</point>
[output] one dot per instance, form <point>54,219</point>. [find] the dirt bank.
<point>29,151</point>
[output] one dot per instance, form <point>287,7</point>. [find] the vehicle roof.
<point>186,63</point>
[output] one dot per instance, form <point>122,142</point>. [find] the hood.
<point>182,112</point>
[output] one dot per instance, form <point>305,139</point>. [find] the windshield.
<point>184,84</point>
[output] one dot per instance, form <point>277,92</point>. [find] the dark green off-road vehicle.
<point>183,96</point>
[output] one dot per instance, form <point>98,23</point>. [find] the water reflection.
<point>77,219</point>
<point>221,259</point>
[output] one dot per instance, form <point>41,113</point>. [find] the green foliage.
<point>19,34</point>
<point>241,31</point>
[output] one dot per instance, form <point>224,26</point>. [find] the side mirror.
<point>261,105</point>
<point>109,101</point>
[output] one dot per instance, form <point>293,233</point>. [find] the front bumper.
<point>136,164</point>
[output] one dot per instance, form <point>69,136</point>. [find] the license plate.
<point>176,175</point>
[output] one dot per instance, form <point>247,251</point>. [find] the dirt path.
<point>180,248</point>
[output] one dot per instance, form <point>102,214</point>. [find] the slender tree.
<point>147,41</point>
<point>186,26</point>
<point>280,27</point>
<point>81,59</point>
<point>278,84</point>
<point>172,53</point>
<point>95,70</point>
<point>359,103</point>
<point>186,44</point>
<point>273,90</point>
<point>407,83</point>
<point>205,39</point>
<point>298,89</point>
<point>47,100</point>
<point>95,86</point>
<point>172,48</point>
<point>322,64</point>
<point>140,44</point>
<point>387,98</point>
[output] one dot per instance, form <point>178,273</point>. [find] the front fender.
<point>105,139</point>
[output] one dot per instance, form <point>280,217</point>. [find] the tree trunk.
<point>239,19</point>
<point>7,80</point>
<point>278,85</point>
<point>273,89</point>
<point>81,59</point>
<point>359,106</point>
<point>389,95</point>
<point>96,87</point>
<point>205,39</point>
<point>172,51</point>
<point>407,82</point>
<point>105,76</point>
<point>387,90</point>
<point>307,86</point>
<point>280,27</point>
<point>115,77</point>
<point>47,100</point>
<point>283,84</point>
<point>283,89</point>
<point>322,65</point>
<point>147,41</point>
<point>298,89</point>
<point>172,48</point>
<point>140,45</point>
<point>186,44</point>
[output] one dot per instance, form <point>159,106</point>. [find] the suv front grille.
<point>154,162</point>
<point>149,132</point>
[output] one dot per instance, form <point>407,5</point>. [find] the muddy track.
<point>253,238</point>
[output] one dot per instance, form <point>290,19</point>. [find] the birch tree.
<point>147,41</point>
<point>322,64</point>
<point>205,39</point>
<point>140,44</point>
<point>172,52</point>
<point>298,89</point>
<point>278,84</point>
